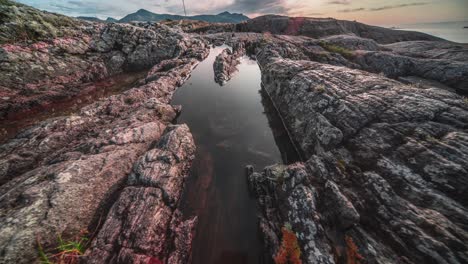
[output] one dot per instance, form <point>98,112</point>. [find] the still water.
<point>231,131</point>
<point>452,31</point>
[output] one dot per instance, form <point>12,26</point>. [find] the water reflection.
<point>231,131</point>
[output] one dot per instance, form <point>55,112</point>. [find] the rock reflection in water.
<point>231,131</point>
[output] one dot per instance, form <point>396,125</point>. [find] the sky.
<point>377,12</point>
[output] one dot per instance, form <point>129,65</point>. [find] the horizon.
<point>395,12</point>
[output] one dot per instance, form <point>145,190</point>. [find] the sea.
<point>452,31</point>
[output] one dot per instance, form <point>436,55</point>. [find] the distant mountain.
<point>95,19</point>
<point>111,20</point>
<point>145,15</point>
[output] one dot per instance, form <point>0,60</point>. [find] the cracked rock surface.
<point>384,170</point>
<point>378,119</point>
<point>144,223</point>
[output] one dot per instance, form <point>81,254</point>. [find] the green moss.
<point>20,23</point>
<point>6,2</point>
<point>347,53</point>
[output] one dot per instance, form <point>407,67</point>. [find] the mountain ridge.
<point>145,15</point>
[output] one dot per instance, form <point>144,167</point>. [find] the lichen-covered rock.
<point>323,27</point>
<point>43,72</point>
<point>87,155</point>
<point>144,223</point>
<point>287,198</point>
<point>386,161</point>
<point>21,23</point>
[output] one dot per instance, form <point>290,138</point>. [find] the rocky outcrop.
<point>21,23</point>
<point>375,118</point>
<point>39,74</point>
<point>439,61</point>
<point>323,27</point>
<point>144,225</point>
<point>226,63</point>
<point>385,171</point>
<point>62,175</point>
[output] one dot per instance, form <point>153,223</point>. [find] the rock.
<point>323,27</point>
<point>338,207</point>
<point>352,42</point>
<point>446,71</point>
<point>47,72</point>
<point>21,23</point>
<point>285,197</point>
<point>151,200</point>
<point>45,168</point>
<point>386,163</point>
<point>226,63</point>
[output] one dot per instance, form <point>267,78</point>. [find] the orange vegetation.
<point>353,256</point>
<point>289,252</point>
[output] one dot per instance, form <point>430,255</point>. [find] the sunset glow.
<point>367,11</point>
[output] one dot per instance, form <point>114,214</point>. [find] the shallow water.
<point>231,131</point>
<point>100,89</point>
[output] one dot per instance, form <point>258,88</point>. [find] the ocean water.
<point>453,31</point>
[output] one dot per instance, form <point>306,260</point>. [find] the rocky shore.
<point>377,118</point>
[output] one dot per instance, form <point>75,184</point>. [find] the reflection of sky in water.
<point>230,131</point>
<point>453,31</point>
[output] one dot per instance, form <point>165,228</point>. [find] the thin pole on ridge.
<point>185,12</point>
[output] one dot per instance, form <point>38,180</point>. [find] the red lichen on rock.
<point>352,252</point>
<point>289,251</point>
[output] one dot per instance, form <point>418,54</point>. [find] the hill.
<point>145,15</point>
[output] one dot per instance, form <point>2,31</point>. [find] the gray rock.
<point>88,155</point>
<point>156,181</point>
<point>388,169</point>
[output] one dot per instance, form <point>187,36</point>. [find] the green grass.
<point>44,259</point>
<point>347,53</point>
<point>72,246</point>
<point>65,252</point>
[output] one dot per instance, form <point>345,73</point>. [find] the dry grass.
<point>289,251</point>
<point>352,252</point>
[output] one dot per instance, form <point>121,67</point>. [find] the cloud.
<point>120,8</point>
<point>352,10</point>
<point>349,10</point>
<point>339,2</point>
<point>397,6</point>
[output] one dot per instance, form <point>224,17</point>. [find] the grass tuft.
<point>347,53</point>
<point>67,252</point>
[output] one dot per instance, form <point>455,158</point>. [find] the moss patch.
<point>347,53</point>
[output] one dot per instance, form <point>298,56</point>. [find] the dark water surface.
<point>230,131</point>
